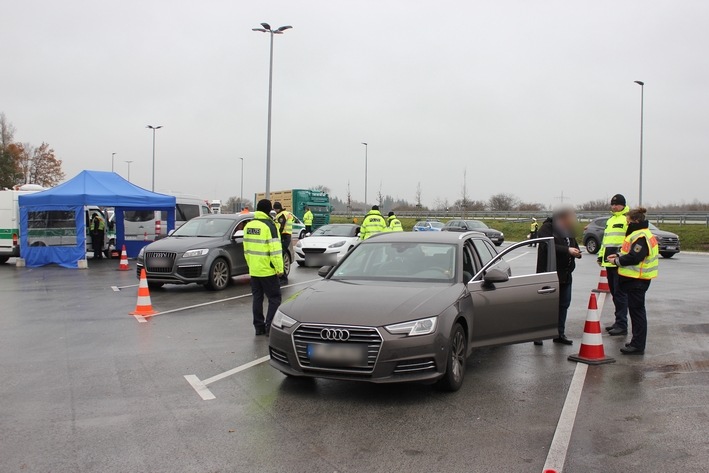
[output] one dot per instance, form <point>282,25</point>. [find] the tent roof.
<point>100,188</point>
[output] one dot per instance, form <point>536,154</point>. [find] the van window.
<point>186,212</point>
<point>205,210</point>
<point>139,215</point>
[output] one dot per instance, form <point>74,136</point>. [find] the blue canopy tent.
<point>52,222</point>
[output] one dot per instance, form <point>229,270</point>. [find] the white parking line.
<point>560,443</point>
<point>227,299</point>
<point>201,386</point>
<point>519,256</point>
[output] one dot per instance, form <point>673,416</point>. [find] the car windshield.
<point>204,227</point>
<point>335,231</point>
<point>399,261</point>
<point>436,224</point>
<point>476,224</point>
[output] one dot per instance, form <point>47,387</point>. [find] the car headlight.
<point>299,244</point>
<point>415,327</point>
<point>281,320</point>
<point>502,234</point>
<point>141,253</point>
<point>338,244</point>
<point>199,252</point>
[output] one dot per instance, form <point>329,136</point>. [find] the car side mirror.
<point>494,276</point>
<point>324,271</point>
<point>238,234</point>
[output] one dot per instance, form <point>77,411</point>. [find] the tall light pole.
<point>154,128</point>
<point>366,164</point>
<point>241,197</point>
<point>642,116</point>
<point>128,163</point>
<point>267,29</point>
<point>113,155</point>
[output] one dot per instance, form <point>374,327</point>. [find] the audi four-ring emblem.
<point>335,334</point>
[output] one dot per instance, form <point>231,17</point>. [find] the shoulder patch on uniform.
<point>253,231</point>
<point>637,248</point>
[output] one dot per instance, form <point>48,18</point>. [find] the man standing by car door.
<point>284,220</point>
<point>561,226</point>
<point>613,236</point>
<point>264,256</point>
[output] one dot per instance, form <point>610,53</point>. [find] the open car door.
<point>515,297</point>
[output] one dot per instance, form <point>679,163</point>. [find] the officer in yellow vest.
<point>393,223</point>
<point>533,230</point>
<point>308,221</point>
<point>284,221</point>
<point>638,264</point>
<point>372,224</point>
<point>613,237</point>
<point>264,256</point>
<point>97,228</point>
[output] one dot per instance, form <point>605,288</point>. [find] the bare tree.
<point>349,199</point>
<point>598,204</point>
<point>234,204</point>
<point>418,195</point>
<point>380,196</point>
<point>530,206</point>
<point>321,188</point>
<point>503,202</point>
<point>7,132</point>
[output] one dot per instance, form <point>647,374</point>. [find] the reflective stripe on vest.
<point>647,268</point>
<point>288,227</point>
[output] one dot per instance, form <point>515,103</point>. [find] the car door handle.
<point>546,290</point>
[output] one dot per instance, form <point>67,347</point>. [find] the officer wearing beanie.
<point>393,223</point>
<point>372,224</point>
<point>264,256</point>
<point>613,236</point>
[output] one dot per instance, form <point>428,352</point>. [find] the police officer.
<point>613,237</point>
<point>97,229</point>
<point>533,231</point>
<point>393,223</point>
<point>372,224</point>
<point>264,256</point>
<point>638,264</point>
<point>308,221</point>
<point>284,222</point>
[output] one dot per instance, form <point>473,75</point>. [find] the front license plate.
<point>337,354</point>
<point>319,259</point>
<point>671,248</point>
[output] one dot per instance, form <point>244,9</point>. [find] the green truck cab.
<point>297,200</point>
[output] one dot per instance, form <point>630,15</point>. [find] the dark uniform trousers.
<point>271,288</point>
<point>635,290</point>
<point>97,243</point>
<point>620,298</point>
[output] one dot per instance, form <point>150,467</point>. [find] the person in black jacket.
<point>561,226</point>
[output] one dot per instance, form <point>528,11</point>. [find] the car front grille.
<point>313,250</point>
<point>415,366</point>
<point>669,241</point>
<point>190,272</point>
<point>306,334</point>
<point>159,261</point>
<point>279,356</point>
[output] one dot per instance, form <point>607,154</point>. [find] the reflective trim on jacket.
<point>262,247</point>
<point>613,235</point>
<point>372,224</point>
<point>394,224</point>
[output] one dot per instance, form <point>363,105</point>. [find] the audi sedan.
<point>496,236</point>
<point>206,250</point>
<point>403,307</point>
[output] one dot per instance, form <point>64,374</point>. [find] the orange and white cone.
<point>591,351</point>
<point>603,286</point>
<point>144,307</point>
<point>123,265</point>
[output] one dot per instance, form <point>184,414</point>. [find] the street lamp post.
<point>128,163</point>
<point>267,29</point>
<point>241,196</point>
<point>642,116</point>
<point>154,128</point>
<point>113,156</point>
<point>366,164</point>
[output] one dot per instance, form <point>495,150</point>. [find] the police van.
<point>149,225</point>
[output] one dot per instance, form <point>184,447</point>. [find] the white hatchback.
<point>326,245</point>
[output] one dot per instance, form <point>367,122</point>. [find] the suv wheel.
<point>219,275</point>
<point>592,245</point>
<point>457,357</point>
<point>286,263</point>
<point>667,255</point>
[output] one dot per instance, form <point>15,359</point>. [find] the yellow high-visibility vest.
<point>647,268</point>
<point>262,247</point>
<point>288,227</point>
<point>614,234</point>
<point>372,224</point>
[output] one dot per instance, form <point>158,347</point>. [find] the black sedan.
<point>404,307</point>
<point>206,250</point>
<point>460,225</point>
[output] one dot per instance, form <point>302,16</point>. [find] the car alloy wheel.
<point>453,378</point>
<point>219,275</point>
<point>286,263</point>
<point>592,246</point>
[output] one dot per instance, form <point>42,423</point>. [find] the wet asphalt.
<point>86,388</point>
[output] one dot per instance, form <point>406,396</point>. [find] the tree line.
<point>23,163</point>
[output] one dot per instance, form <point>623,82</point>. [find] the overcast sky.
<point>534,98</point>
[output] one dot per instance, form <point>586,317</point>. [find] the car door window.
<point>468,264</point>
<point>483,251</point>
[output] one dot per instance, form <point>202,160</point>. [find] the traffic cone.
<point>144,307</point>
<point>123,265</point>
<point>603,286</point>
<point>591,351</point>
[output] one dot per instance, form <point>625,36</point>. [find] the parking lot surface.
<point>88,388</point>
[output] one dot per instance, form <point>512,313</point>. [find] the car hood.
<point>369,303</point>
<point>488,231</point>
<point>323,241</point>
<point>179,244</point>
<point>663,234</point>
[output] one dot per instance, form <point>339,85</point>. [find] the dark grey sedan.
<point>460,225</point>
<point>404,307</point>
<point>667,242</point>
<point>206,250</point>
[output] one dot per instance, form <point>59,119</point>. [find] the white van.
<point>10,220</point>
<point>141,224</point>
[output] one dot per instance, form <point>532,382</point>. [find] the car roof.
<point>351,225</point>
<point>225,216</point>
<point>424,237</point>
